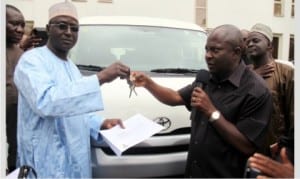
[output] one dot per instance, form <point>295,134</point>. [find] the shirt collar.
<point>236,76</point>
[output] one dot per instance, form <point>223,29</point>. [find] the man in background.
<point>279,78</point>
<point>245,34</point>
<point>15,24</point>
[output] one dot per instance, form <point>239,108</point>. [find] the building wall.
<point>37,10</point>
<point>242,13</point>
<point>4,145</point>
<point>245,13</point>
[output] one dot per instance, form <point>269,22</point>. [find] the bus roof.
<point>139,21</point>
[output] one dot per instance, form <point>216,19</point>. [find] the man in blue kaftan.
<point>56,103</point>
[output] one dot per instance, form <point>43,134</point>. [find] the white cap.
<point>263,29</point>
<point>63,9</point>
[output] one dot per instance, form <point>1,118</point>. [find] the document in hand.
<point>137,129</point>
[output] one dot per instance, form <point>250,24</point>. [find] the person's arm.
<point>47,97</point>
<point>272,168</point>
<point>226,129</point>
<point>113,71</point>
<point>97,123</point>
<point>288,87</point>
<point>94,122</point>
<point>29,42</point>
<point>264,71</point>
<point>163,94</point>
<point>231,133</point>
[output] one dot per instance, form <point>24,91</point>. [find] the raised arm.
<point>163,94</point>
<point>226,129</point>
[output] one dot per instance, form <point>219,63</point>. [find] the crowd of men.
<point>242,114</point>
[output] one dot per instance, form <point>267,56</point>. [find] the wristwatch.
<point>214,116</point>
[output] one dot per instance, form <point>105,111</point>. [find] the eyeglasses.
<point>63,26</point>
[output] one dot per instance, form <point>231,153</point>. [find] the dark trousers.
<point>11,134</point>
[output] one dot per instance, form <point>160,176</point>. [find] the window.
<point>291,50</point>
<point>143,48</point>
<point>105,1</point>
<point>278,8</point>
<point>275,47</point>
<point>293,8</point>
<point>201,12</point>
<point>28,27</point>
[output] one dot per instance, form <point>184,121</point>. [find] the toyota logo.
<point>164,121</point>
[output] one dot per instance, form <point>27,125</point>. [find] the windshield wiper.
<point>174,70</point>
<point>90,67</point>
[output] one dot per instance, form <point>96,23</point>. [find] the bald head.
<point>245,34</point>
<point>8,6</point>
<point>230,34</point>
<point>15,24</point>
<point>223,50</point>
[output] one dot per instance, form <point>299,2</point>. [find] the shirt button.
<point>196,142</point>
<point>202,123</point>
<point>195,161</point>
<point>219,86</point>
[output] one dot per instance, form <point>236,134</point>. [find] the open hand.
<point>139,79</point>
<point>265,71</point>
<point>109,123</point>
<point>272,168</point>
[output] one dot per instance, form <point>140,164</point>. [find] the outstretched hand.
<point>113,71</point>
<point>109,123</point>
<point>272,168</point>
<point>139,79</point>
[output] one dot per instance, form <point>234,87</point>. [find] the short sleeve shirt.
<point>245,101</point>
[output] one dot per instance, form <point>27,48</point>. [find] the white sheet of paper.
<point>137,129</point>
<point>14,174</point>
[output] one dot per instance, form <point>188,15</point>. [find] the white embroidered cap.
<point>63,9</point>
<point>263,29</point>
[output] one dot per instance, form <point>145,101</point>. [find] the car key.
<point>131,87</point>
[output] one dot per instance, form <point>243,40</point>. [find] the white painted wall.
<point>37,10</point>
<point>238,12</point>
<point>242,13</point>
